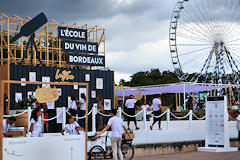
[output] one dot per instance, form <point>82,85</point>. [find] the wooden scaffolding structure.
<point>48,43</point>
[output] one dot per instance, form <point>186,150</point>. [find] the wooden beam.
<point>230,97</point>
<point>114,98</point>
<point>176,98</point>
<point>1,117</point>
<point>2,82</point>
<point>86,125</point>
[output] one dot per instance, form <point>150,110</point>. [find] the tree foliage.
<point>153,77</point>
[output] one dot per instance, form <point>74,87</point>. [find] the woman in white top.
<point>73,106</point>
<point>156,107</point>
<point>36,123</point>
<point>130,109</point>
<point>82,109</point>
<point>7,124</point>
<point>72,127</point>
<point>145,105</point>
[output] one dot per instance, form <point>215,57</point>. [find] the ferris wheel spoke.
<point>196,51</point>
<point>234,13</point>
<point>192,38</point>
<point>202,27</point>
<point>206,33</point>
<point>224,23</point>
<point>194,17</point>
<point>234,60</point>
<point>233,71</point>
<point>192,30</point>
<point>232,35</point>
<point>232,41</point>
<point>199,20</point>
<point>195,44</point>
<point>205,19</point>
<point>191,63</point>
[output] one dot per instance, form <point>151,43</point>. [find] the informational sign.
<point>215,116</point>
<point>44,95</point>
<point>83,59</point>
<point>107,104</point>
<point>79,46</point>
<point>45,148</point>
<point>72,33</point>
<point>217,138</point>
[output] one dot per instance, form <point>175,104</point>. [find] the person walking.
<point>130,109</point>
<point>82,109</point>
<point>100,109</point>
<point>73,106</point>
<point>238,127</point>
<point>117,126</point>
<point>156,107</point>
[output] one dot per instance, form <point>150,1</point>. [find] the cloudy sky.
<point>136,30</point>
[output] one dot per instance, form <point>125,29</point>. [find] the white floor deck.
<point>178,131</point>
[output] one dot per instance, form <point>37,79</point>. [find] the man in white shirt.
<point>156,107</point>
<point>117,126</point>
<point>7,124</point>
<point>238,126</point>
<point>130,109</point>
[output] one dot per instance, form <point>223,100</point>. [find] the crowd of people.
<point>155,105</point>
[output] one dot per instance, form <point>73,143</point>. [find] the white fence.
<point>94,112</point>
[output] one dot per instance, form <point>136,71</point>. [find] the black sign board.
<point>72,33</point>
<point>85,59</point>
<point>80,47</point>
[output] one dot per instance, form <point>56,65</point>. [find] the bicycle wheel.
<point>97,153</point>
<point>127,151</point>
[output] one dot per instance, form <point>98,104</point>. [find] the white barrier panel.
<point>45,148</point>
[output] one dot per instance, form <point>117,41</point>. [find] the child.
<point>73,127</point>
<point>7,124</point>
<point>36,123</point>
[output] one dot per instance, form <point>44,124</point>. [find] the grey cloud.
<point>72,10</point>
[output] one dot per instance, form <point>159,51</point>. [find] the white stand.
<point>221,104</point>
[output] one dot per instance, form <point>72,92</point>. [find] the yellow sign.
<point>138,95</point>
<point>65,75</point>
<point>44,94</point>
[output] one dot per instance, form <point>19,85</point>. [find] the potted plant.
<point>26,102</point>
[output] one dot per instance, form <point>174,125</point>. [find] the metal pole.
<point>145,119</point>
<point>120,112</point>
<point>94,119</point>
<point>168,117</point>
<point>190,119</point>
<point>1,118</point>
<point>193,102</point>
<point>184,96</point>
<point>179,99</point>
<point>29,118</point>
<point>63,117</point>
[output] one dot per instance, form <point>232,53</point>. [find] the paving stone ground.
<point>193,156</point>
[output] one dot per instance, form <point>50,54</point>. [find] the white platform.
<point>217,149</point>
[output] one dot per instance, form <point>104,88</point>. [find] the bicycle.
<point>98,152</point>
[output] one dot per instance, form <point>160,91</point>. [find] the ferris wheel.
<point>204,41</point>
